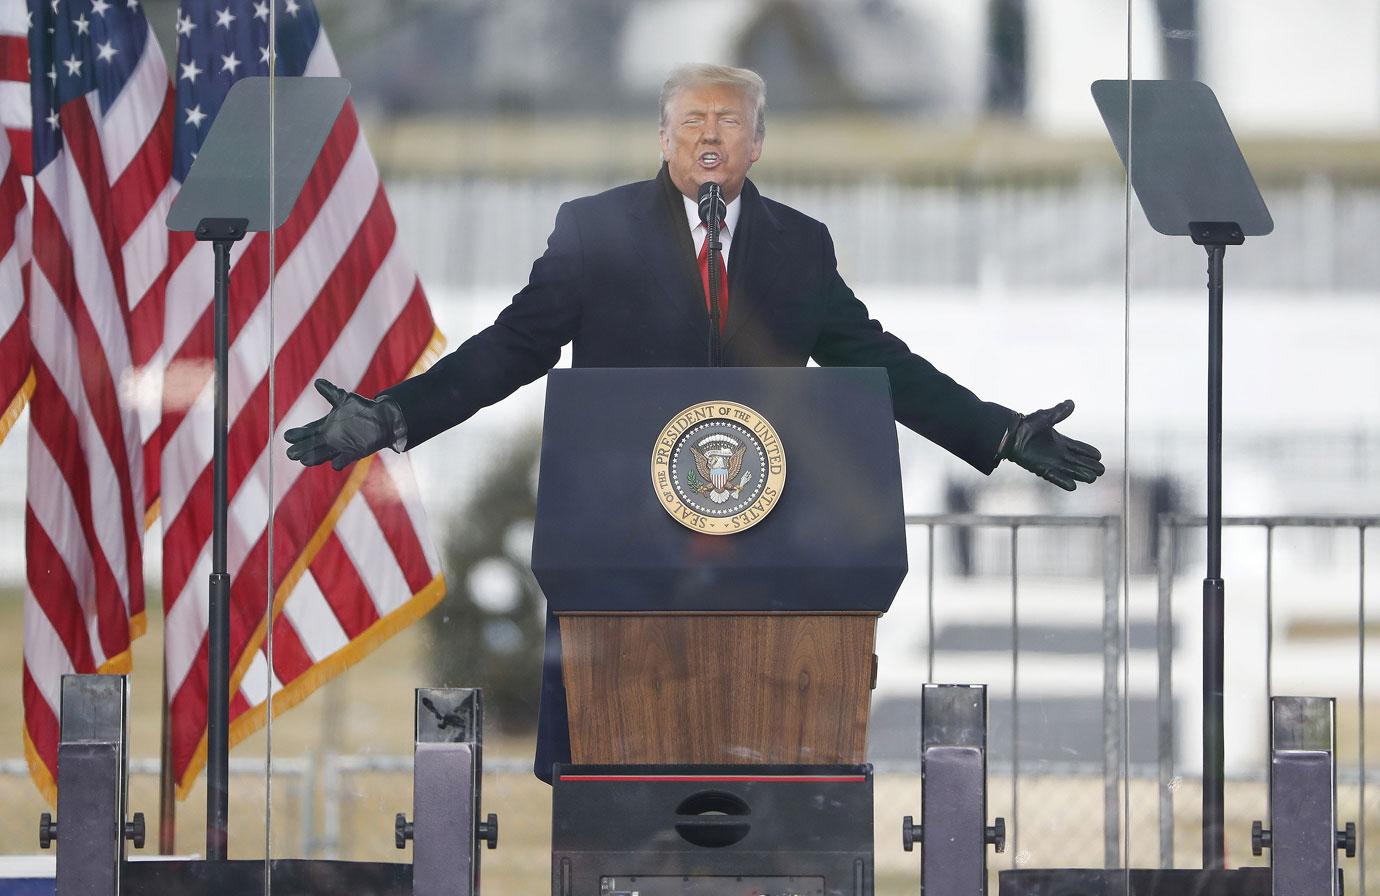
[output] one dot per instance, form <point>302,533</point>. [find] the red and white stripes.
<point>92,341</point>
<point>14,81</point>
<point>16,379</point>
<point>119,319</point>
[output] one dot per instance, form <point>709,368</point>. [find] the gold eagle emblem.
<point>717,471</point>
<point>718,467</point>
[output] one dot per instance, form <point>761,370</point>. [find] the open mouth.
<point>709,159</point>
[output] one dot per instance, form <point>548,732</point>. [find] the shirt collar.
<point>692,213</point>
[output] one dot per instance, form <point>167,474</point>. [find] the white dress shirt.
<point>698,231</point>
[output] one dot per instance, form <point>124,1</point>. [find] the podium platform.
<point>717,545</point>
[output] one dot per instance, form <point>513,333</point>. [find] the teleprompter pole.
<point>1191,179</point>
<point>1214,237</point>
<point>1214,589</point>
<point>222,233</point>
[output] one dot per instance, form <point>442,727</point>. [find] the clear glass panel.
<point>945,177</point>
<point>353,559</point>
<point>1297,88</point>
<point>113,453</point>
<point>122,320</point>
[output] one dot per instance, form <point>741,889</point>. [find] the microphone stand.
<point>711,224</point>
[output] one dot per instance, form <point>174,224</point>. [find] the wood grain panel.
<point>718,688</point>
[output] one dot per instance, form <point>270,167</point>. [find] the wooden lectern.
<point>749,648</point>
<point>718,688</point>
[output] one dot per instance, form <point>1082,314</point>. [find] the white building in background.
<point>1281,67</point>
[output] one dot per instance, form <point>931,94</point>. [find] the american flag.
<point>16,378</point>
<point>14,81</point>
<point>352,562</point>
<point>101,157</point>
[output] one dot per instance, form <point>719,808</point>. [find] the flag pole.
<point>167,788</point>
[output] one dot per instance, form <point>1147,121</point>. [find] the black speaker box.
<point>758,830</point>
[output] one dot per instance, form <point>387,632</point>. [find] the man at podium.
<point>625,281</point>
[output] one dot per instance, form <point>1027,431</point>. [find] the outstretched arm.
<point>930,402</point>
<point>925,399</point>
<point>522,344</point>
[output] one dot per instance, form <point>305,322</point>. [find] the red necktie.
<point>723,281</point>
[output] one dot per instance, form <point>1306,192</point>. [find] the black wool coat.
<point>619,281</point>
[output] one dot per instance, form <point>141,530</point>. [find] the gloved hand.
<point>1033,444</point>
<point>356,427</point>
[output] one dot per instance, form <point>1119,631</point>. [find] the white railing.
<point>951,230</point>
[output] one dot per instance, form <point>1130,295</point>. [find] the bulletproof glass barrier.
<point>1296,502</point>
<point>947,148</point>
<point>942,178</point>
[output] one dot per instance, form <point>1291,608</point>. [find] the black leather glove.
<point>356,427</point>
<point>1032,443</point>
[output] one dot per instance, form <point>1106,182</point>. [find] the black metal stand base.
<point>1142,882</point>
<point>297,877</point>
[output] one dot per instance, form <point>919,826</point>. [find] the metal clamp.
<point>911,833</point>
<point>1346,839</point>
<point>447,774</point>
<point>134,830</point>
<point>92,783</point>
<point>953,799</point>
<point>995,834</point>
<point>1261,840</point>
<point>1303,838</point>
<point>485,832</point>
<point>231,229</point>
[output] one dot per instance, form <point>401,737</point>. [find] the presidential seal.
<point>718,467</point>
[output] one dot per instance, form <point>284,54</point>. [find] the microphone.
<point>711,196</point>
<point>712,212</point>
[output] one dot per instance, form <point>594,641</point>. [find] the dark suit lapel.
<point>754,261</point>
<point>665,246</point>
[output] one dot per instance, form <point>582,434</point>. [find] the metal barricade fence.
<point>338,769</point>
<point>325,787</point>
<point>1169,525</point>
<point>1113,718</point>
<point>346,779</point>
<point>472,231</point>
<point>295,775</point>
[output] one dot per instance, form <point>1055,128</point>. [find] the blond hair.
<point>699,74</point>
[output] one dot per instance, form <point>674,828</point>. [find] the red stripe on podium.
<point>707,779</point>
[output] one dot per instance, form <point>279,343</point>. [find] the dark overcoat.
<point>619,281</point>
